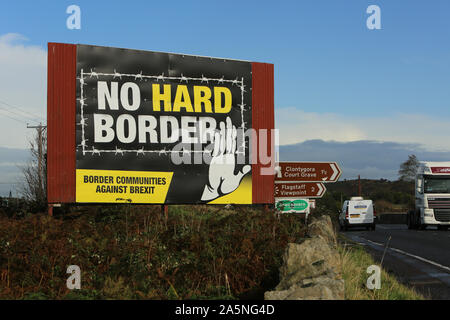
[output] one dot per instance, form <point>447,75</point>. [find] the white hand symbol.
<point>222,179</point>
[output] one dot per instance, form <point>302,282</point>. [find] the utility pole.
<point>359,185</point>
<point>40,129</point>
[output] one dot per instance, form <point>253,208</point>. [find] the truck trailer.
<point>432,196</point>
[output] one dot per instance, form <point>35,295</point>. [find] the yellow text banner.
<point>114,186</point>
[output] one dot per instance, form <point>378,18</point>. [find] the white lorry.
<point>357,212</point>
<point>432,193</point>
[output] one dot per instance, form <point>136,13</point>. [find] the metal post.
<point>165,212</point>
<point>359,185</point>
<point>384,253</point>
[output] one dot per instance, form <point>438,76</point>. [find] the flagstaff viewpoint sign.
<point>299,190</point>
<point>154,127</point>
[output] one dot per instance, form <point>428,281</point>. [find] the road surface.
<point>419,258</point>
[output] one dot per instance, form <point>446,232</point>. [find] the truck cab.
<point>432,196</point>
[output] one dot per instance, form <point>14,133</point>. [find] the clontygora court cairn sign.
<point>152,127</point>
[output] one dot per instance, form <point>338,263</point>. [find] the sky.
<point>335,79</point>
<point>370,159</point>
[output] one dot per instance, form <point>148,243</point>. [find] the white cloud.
<point>23,83</point>
<point>297,126</point>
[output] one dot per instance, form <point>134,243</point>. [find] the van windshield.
<point>437,184</point>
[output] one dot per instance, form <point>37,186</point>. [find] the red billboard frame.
<point>61,108</point>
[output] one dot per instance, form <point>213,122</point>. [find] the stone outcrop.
<point>311,270</point>
<point>323,227</point>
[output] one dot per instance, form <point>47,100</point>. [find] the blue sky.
<point>326,60</point>
<point>335,80</point>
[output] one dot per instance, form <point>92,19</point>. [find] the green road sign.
<point>294,205</point>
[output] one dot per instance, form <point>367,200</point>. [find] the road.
<point>419,258</point>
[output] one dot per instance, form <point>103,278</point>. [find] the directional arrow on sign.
<point>299,190</point>
<point>307,171</point>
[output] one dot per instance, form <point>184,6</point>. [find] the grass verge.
<point>355,261</point>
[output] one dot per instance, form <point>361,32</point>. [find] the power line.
<point>18,114</point>
<point>22,110</point>
<point>13,118</point>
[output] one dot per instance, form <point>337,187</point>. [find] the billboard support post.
<point>50,210</point>
<point>165,213</point>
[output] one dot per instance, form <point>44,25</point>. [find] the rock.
<point>311,270</point>
<point>312,258</point>
<point>323,227</point>
<point>326,289</point>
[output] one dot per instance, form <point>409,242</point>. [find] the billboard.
<point>153,127</point>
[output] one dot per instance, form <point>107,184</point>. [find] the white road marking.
<point>422,259</point>
<point>424,283</point>
<point>391,227</point>
<point>433,274</point>
<point>410,255</point>
<point>377,243</point>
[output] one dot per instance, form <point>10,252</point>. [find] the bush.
<point>133,252</point>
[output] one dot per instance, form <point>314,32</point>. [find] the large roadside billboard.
<point>154,127</point>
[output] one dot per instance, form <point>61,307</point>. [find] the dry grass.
<point>355,261</point>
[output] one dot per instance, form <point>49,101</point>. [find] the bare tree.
<point>408,169</point>
<point>33,186</point>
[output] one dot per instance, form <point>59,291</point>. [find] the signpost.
<point>299,190</point>
<point>308,172</point>
<point>297,182</point>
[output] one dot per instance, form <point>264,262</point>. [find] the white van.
<point>357,212</point>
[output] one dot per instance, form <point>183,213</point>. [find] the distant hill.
<point>10,162</point>
<point>370,159</point>
<point>389,196</point>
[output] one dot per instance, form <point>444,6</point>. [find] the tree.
<point>33,187</point>
<point>408,169</point>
